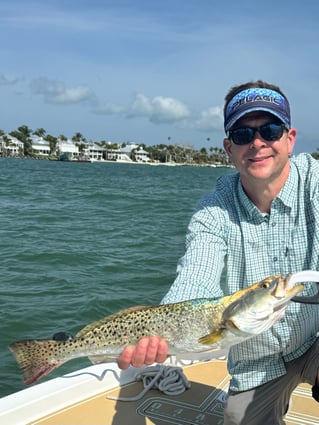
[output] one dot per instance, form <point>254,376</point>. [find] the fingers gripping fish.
<point>194,326</point>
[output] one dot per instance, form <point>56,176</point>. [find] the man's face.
<point>261,159</point>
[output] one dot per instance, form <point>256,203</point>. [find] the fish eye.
<point>265,285</point>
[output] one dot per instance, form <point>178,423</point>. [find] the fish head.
<point>255,309</point>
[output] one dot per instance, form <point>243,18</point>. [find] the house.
<point>68,148</point>
<point>117,154</point>
<point>40,146</point>
<point>141,155</point>
<point>93,151</point>
<point>10,146</point>
<point>135,152</point>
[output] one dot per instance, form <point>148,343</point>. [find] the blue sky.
<point>149,70</point>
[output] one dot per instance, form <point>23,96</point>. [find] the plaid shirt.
<point>230,245</point>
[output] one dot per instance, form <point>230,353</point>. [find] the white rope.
<point>168,379</point>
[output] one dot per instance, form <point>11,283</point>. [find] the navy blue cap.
<point>256,99</point>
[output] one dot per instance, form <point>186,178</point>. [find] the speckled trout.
<point>194,326</point>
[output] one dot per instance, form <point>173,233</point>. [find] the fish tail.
<point>36,358</point>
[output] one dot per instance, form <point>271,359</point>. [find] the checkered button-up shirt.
<point>230,245</point>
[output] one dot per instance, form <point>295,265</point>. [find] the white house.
<point>93,151</point>
<point>68,148</point>
<point>117,154</point>
<point>140,154</point>
<point>40,146</point>
<point>10,146</point>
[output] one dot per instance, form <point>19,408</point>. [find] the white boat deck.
<point>81,398</point>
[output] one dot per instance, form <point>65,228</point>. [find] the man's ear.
<point>292,135</point>
<point>227,146</point>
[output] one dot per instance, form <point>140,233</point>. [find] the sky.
<point>153,71</point>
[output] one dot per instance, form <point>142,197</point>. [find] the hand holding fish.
<point>194,326</point>
<point>155,350</point>
<point>147,351</point>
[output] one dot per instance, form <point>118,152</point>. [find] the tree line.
<point>177,153</point>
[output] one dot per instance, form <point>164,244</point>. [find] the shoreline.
<point>105,161</point>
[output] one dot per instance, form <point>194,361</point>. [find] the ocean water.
<point>79,241</point>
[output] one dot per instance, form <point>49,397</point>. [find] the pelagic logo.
<point>256,98</point>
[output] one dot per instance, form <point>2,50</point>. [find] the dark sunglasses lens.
<point>271,132</point>
<point>242,136</point>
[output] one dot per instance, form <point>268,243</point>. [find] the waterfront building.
<point>10,146</point>
<point>40,146</point>
<point>67,148</point>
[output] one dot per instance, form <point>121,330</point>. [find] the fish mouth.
<point>285,288</point>
<point>288,287</point>
<point>299,277</point>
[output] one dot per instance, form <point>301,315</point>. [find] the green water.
<point>81,241</point>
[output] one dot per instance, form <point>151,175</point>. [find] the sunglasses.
<point>245,135</point>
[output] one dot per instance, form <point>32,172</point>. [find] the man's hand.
<point>148,350</point>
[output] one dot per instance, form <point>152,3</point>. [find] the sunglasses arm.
<point>308,300</point>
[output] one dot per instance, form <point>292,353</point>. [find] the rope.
<point>168,379</point>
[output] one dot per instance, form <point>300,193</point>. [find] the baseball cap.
<point>256,99</point>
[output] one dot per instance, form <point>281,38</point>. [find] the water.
<point>79,241</point>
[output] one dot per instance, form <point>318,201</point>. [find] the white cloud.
<point>57,92</point>
<point>158,110</point>
<point>140,107</point>
<point>210,119</point>
<point>167,109</point>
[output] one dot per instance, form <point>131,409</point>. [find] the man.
<point>260,221</point>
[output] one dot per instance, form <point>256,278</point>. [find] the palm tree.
<point>63,138</point>
<point>24,135</point>
<point>7,143</point>
<point>78,137</point>
<point>40,132</point>
<point>52,143</point>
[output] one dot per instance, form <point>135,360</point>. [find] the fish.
<point>192,326</point>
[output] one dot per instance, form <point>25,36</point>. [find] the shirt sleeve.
<point>199,270</point>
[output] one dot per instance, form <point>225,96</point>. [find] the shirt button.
<point>275,259</point>
<point>274,224</point>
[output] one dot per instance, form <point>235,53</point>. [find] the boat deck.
<point>201,404</point>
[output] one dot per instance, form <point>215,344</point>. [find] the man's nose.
<point>257,140</point>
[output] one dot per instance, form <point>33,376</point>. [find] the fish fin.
<point>35,358</point>
<point>212,338</point>
<point>102,359</point>
<point>107,319</point>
